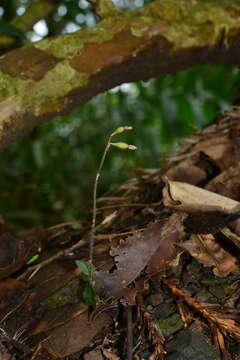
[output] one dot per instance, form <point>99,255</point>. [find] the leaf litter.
<point>170,251</point>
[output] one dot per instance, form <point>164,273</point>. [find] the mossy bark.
<point>50,77</point>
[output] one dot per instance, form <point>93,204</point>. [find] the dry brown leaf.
<point>5,354</point>
<point>12,295</point>
<point>77,333</point>
<point>167,254</point>
<point>223,150</point>
<point>187,170</point>
<point>208,252</point>
<point>137,252</point>
<point>129,294</point>
<point>109,355</point>
<point>93,355</point>
<point>25,304</point>
<point>190,198</point>
<point>218,141</point>
<point>14,251</point>
<point>227,183</point>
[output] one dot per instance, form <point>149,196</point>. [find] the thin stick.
<point>35,268</point>
<point>129,333</point>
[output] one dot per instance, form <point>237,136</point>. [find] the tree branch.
<point>49,78</point>
<point>35,12</point>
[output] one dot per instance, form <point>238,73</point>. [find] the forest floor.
<point>166,253</point>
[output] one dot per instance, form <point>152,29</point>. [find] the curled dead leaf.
<point>208,252</point>
<point>186,197</point>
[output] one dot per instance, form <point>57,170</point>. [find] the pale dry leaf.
<point>208,252</point>
<point>190,198</point>
<point>109,355</point>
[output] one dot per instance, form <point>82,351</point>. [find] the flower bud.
<point>121,129</point>
<point>124,146</point>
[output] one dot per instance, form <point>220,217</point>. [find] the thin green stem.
<point>95,199</point>
<point>120,145</point>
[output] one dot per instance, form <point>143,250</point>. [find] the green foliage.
<point>9,29</point>
<point>33,259</point>
<point>86,267</point>
<point>89,295</point>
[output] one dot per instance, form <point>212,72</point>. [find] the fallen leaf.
<point>227,183</point>
<point>14,251</point>
<point>152,247</point>
<point>12,295</point>
<point>77,333</point>
<point>190,198</point>
<point>5,353</point>
<point>167,254</point>
<point>109,355</point>
<point>93,355</point>
<point>207,251</point>
<point>130,293</point>
<point>224,150</point>
<point>188,170</point>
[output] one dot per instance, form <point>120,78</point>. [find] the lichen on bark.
<point>71,45</point>
<point>8,86</point>
<point>55,85</point>
<point>196,22</point>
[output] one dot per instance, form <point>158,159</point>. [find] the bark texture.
<point>50,77</point>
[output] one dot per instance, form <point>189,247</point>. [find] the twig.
<point>35,268</point>
<point>114,235</point>
<point>109,207</point>
<point>129,333</point>
<point>154,332</point>
<point>224,323</point>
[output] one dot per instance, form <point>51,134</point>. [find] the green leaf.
<point>86,267</point>
<point>89,295</point>
<point>12,30</point>
<point>32,259</point>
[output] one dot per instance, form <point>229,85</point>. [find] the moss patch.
<point>171,324</point>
